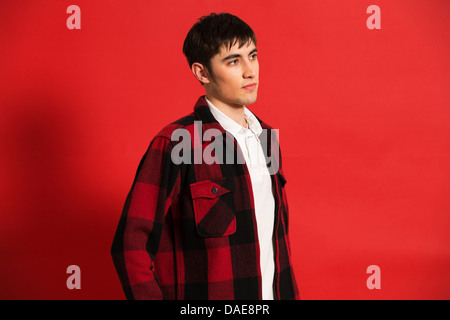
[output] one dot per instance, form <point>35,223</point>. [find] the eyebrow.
<point>232,56</point>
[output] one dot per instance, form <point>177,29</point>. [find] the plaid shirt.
<point>188,231</point>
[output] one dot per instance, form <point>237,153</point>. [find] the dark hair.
<point>210,32</point>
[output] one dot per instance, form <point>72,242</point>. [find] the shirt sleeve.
<point>138,234</point>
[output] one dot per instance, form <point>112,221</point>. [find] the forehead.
<point>226,50</point>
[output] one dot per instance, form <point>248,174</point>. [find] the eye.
<point>232,62</point>
<point>253,56</point>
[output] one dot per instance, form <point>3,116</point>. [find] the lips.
<point>250,86</point>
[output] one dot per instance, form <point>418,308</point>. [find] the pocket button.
<point>214,190</point>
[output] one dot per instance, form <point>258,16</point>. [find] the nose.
<point>250,69</point>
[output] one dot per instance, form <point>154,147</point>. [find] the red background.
<point>364,120</point>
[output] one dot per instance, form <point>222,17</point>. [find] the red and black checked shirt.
<point>188,231</point>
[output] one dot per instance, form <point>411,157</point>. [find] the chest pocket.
<point>213,207</point>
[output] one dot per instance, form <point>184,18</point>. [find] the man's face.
<point>234,79</point>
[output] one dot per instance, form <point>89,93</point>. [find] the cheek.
<point>228,82</point>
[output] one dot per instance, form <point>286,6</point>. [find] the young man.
<point>201,229</point>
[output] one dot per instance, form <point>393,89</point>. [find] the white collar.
<point>232,126</point>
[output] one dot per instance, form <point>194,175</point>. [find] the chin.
<point>242,100</point>
<point>250,100</point>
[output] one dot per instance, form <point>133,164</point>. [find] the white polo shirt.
<point>248,141</point>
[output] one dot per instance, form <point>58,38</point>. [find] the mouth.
<point>250,86</point>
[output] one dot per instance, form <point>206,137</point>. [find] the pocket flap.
<point>209,189</point>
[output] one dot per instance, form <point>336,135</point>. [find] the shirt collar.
<point>232,126</point>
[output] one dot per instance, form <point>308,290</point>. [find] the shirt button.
<point>214,190</point>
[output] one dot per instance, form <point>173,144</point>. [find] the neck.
<point>235,112</point>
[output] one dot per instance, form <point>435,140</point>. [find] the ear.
<point>200,72</point>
